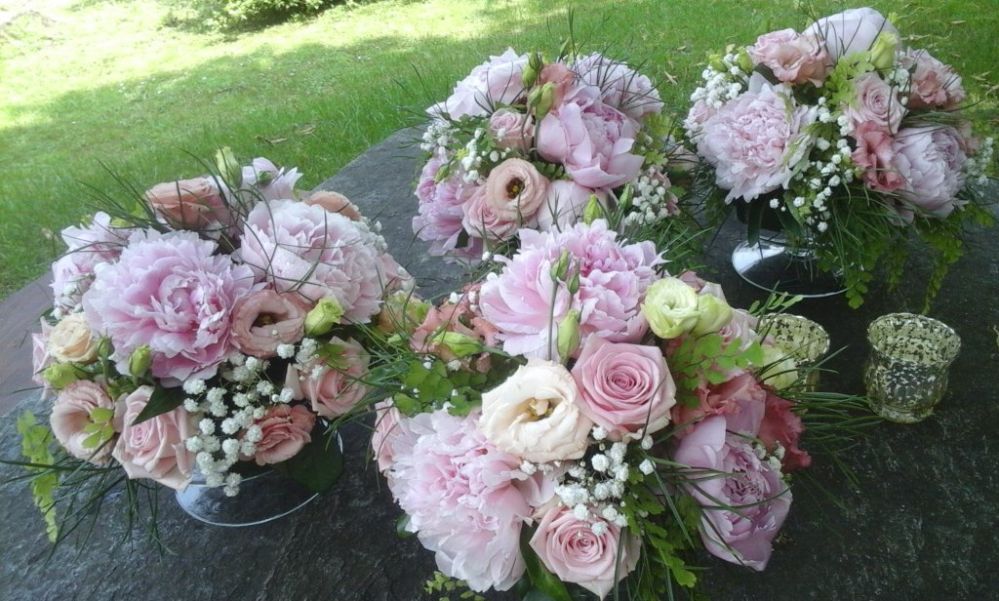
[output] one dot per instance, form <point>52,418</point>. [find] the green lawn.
<point>86,82</point>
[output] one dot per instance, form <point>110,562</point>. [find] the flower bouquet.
<point>527,143</point>
<point>206,329</point>
<point>848,141</point>
<point>576,421</point>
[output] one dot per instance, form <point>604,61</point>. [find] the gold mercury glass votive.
<point>906,374</point>
<point>804,340</point>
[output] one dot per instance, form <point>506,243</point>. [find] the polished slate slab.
<point>920,527</point>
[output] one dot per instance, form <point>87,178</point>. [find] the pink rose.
<point>625,388</point>
<point>333,389</point>
<point>483,221</point>
<point>782,425</point>
<point>931,161</point>
<point>741,327</point>
<point>934,84</point>
<point>593,140</point>
<point>565,204</point>
<point>875,102</point>
<point>850,31</point>
<point>620,86</point>
<point>876,155</point>
<point>754,141</point>
<point>265,319</point>
<point>155,448</point>
<point>512,130</point>
<point>793,58</point>
<point>741,401</point>
<point>334,202</point>
<point>285,429</point>
<point>495,83</point>
<point>571,550</point>
<point>515,190</point>
<point>71,414</point>
<point>195,204</point>
<point>758,495</point>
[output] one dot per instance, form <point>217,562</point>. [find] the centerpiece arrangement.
<point>207,329</point>
<point>846,141</point>
<point>524,142</point>
<point>580,420</point>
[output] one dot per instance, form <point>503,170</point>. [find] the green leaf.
<point>35,441</point>
<point>543,581</point>
<point>163,400</point>
<point>319,464</point>
<point>400,526</point>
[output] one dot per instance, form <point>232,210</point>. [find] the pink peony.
<point>285,429</point>
<point>565,204</point>
<point>511,129</point>
<point>87,246</point>
<point>875,102</point>
<point>334,202</point>
<point>625,388</point>
<point>931,161</point>
<point>620,86</point>
<point>439,218</point>
<point>193,204</point>
<point>332,388</point>
<point>391,435</point>
<point>592,139</point>
<point>525,304</point>
<point>270,182</point>
<point>741,401</point>
<point>71,414</point>
<point>876,155</point>
<point>756,492</point>
<point>495,83</point>
<point>463,501</point>
<point>781,425</point>
<point>934,84</point>
<point>793,58</point>
<point>850,31</point>
<point>155,448</point>
<point>296,247</point>
<point>173,293</point>
<point>754,141</point>
<point>571,550</point>
<point>265,319</point>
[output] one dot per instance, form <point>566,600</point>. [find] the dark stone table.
<point>920,526</point>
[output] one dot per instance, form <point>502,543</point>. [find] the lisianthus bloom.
<point>931,161</point>
<point>526,304</point>
<point>72,413</point>
<point>296,247</point>
<point>793,58</point>
<point>265,319</point>
<point>495,83</point>
<point>173,293</point>
<point>753,488</point>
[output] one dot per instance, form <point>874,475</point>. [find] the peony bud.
<point>139,362</point>
<point>883,50</point>
<point>459,344</point>
<point>568,334</point>
<point>321,319</point>
<point>60,375</point>
<point>229,168</point>
<point>715,314</point>
<point>593,211</point>
<point>670,307</point>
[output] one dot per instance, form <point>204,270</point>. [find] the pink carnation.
<point>303,248</point>
<point>463,500</point>
<point>931,161</point>
<point>173,293</point>
<point>526,304</point>
<point>754,141</point>
<point>620,86</point>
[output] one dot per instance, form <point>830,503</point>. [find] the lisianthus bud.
<point>781,370</point>
<point>744,60</point>
<point>229,167</point>
<point>593,211</point>
<point>321,319</point>
<point>883,50</point>
<point>561,267</point>
<point>402,310</point>
<point>60,375</point>
<point>139,362</point>
<point>459,344</point>
<point>568,334</point>
<point>545,100</point>
<point>715,314</point>
<point>104,348</point>
<point>574,283</point>
<point>670,307</point>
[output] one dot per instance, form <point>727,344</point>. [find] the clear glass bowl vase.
<point>263,497</point>
<point>777,263</point>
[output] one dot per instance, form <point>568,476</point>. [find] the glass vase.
<point>907,372</point>
<point>263,497</point>
<point>778,263</point>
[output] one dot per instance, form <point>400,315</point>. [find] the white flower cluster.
<point>599,489</point>
<point>439,134</point>
<point>652,201</point>
<point>227,429</point>
<point>721,86</point>
<point>774,459</point>
<point>479,152</point>
<point>900,79</point>
<point>976,166</point>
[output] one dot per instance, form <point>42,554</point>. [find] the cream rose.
<point>72,341</point>
<point>535,414</point>
<point>671,307</point>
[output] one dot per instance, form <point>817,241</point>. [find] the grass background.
<point>86,82</point>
